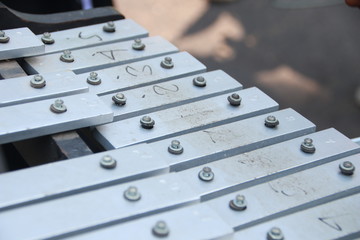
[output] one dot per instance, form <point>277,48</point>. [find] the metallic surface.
<point>145,72</point>
<point>22,43</point>
<point>18,90</point>
<point>90,210</point>
<point>234,138</point>
<point>93,35</point>
<point>94,58</point>
<point>183,119</point>
<point>288,194</point>
<point>169,94</point>
<point>267,163</point>
<point>79,174</point>
<point>35,119</point>
<point>332,220</point>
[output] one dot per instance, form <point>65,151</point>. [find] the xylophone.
<point>172,151</point>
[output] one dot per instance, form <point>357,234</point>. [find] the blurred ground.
<point>306,59</point>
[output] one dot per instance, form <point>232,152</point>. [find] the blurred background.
<point>305,54</point>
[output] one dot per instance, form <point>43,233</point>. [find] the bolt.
<point>47,39</point>
<point>58,106</point>
<point>147,122</point>
<point>167,63</point>
<point>37,82</point>
<point>3,37</point>
<point>108,162</point>
<point>199,81</point>
<point>66,56</point>
<point>109,27</point>
<point>275,234</point>
<point>132,194</point>
<point>138,45</point>
<point>234,99</point>
<point>307,146</point>
<point>160,229</point>
<point>175,147</point>
<point>93,79</point>
<point>119,99</point>
<point>271,121</point>
<point>206,174</point>
<point>238,204</point>
<point>347,168</point>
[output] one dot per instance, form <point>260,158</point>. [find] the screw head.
<point>93,79</point>
<point>160,229</point>
<point>67,57</point>
<point>47,39</point>
<point>147,122</point>
<point>37,81</point>
<point>132,194</point>
<point>271,122</point>
<point>119,99</point>
<point>239,203</point>
<point>199,81</point>
<point>58,106</point>
<point>307,146</point>
<point>347,168</point>
<point>3,37</point>
<point>138,45</point>
<point>275,233</point>
<point>206,174</point>
<point>167,63</point>
<point>108,162</point>
<point>234,99</point>
<point>175,147</point>
<point>109,27</point>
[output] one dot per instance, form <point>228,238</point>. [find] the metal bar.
<point>34,119</point>
<point>104,56</point>
<point>19,90</point>
<point>184,119</point>
<point>93,35</point>
<point>95,209</point>
<point>142,73</point>
<point>22,43</point>
<point>234,138</point>
<point>289,194</point>
<point>192,222</point>
<point>333,220</point>
<point>268,163</point>
<point>170,94</point>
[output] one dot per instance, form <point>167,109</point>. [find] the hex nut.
<point>234,100</point>
<point>3,37</point>
<point>138,45</point>
<point>147,122</point>
<point>160,229</point>
<point>58,106</point>
<point>175,147</point>
<point>307,146</point>
<point>47,39</point>
<point>109,27</point>
<point>199,81</point>
<point>119,99</point>
<point>206,174</point>
<point>108,162</point>
<point>37,81</point>
<point>93,79</point>
<point>275,233</point>
<point>132,194</point>
<point>347,168</point>
<point>167,63</point>
<point>271,122</point>
<point>239,203</point>
<point>67,57</point>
